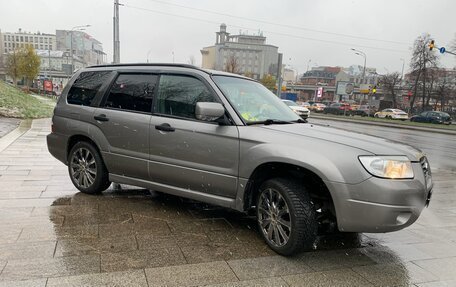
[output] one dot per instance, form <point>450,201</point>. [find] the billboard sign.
<point>344,88</point>
<point>47,85</point>
<point>319,92</point>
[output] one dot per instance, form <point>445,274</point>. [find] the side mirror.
<point>209,112</point>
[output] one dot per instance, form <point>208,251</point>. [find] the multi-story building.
<point>20,39</point>
<point>57,61</point>
<point>9,41</point>
<point>249,53</point>
<point>83,45</point>
<point>355,72</point>
<point>321,76</point>
<point>57,65</point>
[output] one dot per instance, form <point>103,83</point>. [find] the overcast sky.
<point>315,31</point>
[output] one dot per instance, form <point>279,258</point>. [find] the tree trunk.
<point>393,98</point>
<point>415,91</point>
<point>424,86</point>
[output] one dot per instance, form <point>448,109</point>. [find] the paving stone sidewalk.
<point>52,235</point>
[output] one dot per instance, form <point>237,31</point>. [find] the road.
<point>439,148</point>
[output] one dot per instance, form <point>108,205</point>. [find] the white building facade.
<point>251,53</point>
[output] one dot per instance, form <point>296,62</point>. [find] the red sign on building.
<point>47,85</point>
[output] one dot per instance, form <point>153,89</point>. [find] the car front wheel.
<point>286,216</point>
<point>86,168</point>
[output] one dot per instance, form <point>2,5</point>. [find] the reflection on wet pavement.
<point>52,235</point>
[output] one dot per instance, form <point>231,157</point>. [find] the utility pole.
<point>279,75</point>
<point>116,54</point>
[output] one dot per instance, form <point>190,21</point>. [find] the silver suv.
<point>227,140</point>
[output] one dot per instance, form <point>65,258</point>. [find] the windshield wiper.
<point>273,121</point>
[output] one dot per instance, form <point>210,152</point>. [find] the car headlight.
<point>395,167</point>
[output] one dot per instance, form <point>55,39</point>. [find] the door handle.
<point>101,118</point>
<point>165,127</point>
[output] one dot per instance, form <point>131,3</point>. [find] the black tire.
<point>302,233</point>
<point>85,159</point>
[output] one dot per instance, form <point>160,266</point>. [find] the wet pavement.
<point>52,235</point>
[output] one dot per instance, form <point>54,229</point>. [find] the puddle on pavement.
<point>106,225</point>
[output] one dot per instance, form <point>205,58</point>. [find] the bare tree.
<point>453,44</point>
<point>389,83</point>
<point>445,90</point>
<point>13,68</point>
<point>422,60</point>
<point>232,65</point>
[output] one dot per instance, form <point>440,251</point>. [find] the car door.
<point>424,117</point>
<point>186,152</point>
<point>124,118</point>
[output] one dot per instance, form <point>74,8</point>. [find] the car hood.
<point>366,143</point>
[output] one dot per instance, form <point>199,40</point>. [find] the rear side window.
<point>132,92</point>
<point>178,95</point>
<point>86,86</point>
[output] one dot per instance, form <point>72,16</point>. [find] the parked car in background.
<point>301,111</point>
<point>305,104</point>
<point>365,111</point>
<point>393,114</point>
<point>432,117</point>
<point>317,107</point>
<point>338,109</point>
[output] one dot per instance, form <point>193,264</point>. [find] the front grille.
<point>425,166</point>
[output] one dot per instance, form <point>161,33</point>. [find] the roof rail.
<point>145,65</point>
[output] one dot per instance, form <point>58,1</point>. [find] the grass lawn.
<point>391,122</point>
<point>16,104</point>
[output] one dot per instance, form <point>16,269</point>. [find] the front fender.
<point>341,166</point>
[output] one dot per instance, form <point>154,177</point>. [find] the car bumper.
<point>57,146</point>
<point>400,117</point>
<point>380,205</point>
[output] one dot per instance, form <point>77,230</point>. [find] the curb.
<point>13,135</point>
<point>405,127</point>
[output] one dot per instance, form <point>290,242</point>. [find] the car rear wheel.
<point>87,170</point>
<point>286,216</point>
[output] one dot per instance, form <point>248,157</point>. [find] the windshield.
<point>290,103</point>
<point>253,101</point>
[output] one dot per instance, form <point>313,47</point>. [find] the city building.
<point>57,61</point>
<point>355,72</point>
<point>20,39</point>
<point>83,45</point>
<point>57,65</point>
<point>249,54</point>
<point>289,75</point>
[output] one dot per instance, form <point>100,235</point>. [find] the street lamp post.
<point>402,73</point>
<point>362,54</point>
<point>75,28</point>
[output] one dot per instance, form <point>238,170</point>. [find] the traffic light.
<point>431,45</point>
<point>374,89</point>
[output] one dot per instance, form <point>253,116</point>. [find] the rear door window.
<point>86,87</point>
<point>132,92</point>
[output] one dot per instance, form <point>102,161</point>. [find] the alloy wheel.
<point>83,168</point>
<point>274,217</point>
